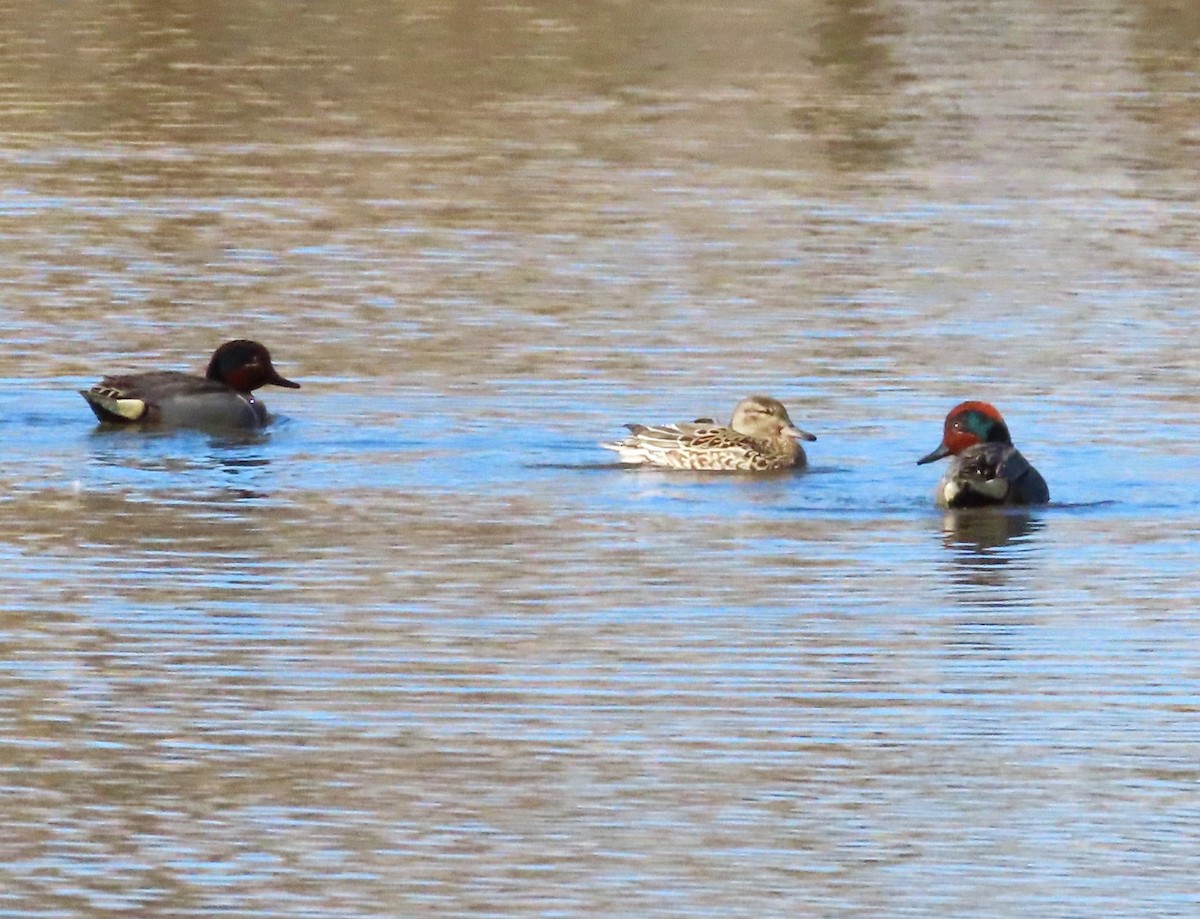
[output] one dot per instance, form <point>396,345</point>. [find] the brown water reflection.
<point>418,648</point>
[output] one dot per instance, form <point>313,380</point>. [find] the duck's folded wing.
<point>671,435</point>
<point>1026,485</point>
<point>655,443</point>
<point>689,435</point>
<point>163,384</point>
<point>130,398</point>
<point>1000,473</point>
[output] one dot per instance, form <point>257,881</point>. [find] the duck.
<point>759,438</point>
<point>222,398</point>
<point>987,470</point>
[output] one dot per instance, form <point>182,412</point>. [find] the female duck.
<point>220,398</point>
<point>761,437</point>
<point>987,469</point>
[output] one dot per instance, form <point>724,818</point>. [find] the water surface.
<point>419,647</point>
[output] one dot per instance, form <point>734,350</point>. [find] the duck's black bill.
<point>937,454</point>
<point>277,380</point>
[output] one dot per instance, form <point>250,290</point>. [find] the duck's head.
<point>969,423</point>
<point>764,418</point>
<point>245,365</point>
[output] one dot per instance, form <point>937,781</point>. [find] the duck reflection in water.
<point>988,547</point>
<point>987,528</point>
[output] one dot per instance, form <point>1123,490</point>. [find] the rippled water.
<point>419,647</point>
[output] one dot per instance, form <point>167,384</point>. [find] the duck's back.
<point>703,446</point>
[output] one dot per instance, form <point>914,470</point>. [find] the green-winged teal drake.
<point>221,398</point>
<point>761,437</point>
<point>987,469</point>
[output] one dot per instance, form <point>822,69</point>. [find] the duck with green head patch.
<point>987,469</point>
<point>222,398</point>
<point>760,438</point>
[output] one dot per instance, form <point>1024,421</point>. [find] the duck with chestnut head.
<point>986,468</point>
<point>223,397</point>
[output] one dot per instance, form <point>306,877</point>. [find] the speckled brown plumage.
<point>760,438</point>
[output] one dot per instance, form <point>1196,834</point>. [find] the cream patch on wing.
<point>950,491</point>
<point>133,409</point>
<point>110,399</point>
<point>993,489</point>
<point>996,489</point>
